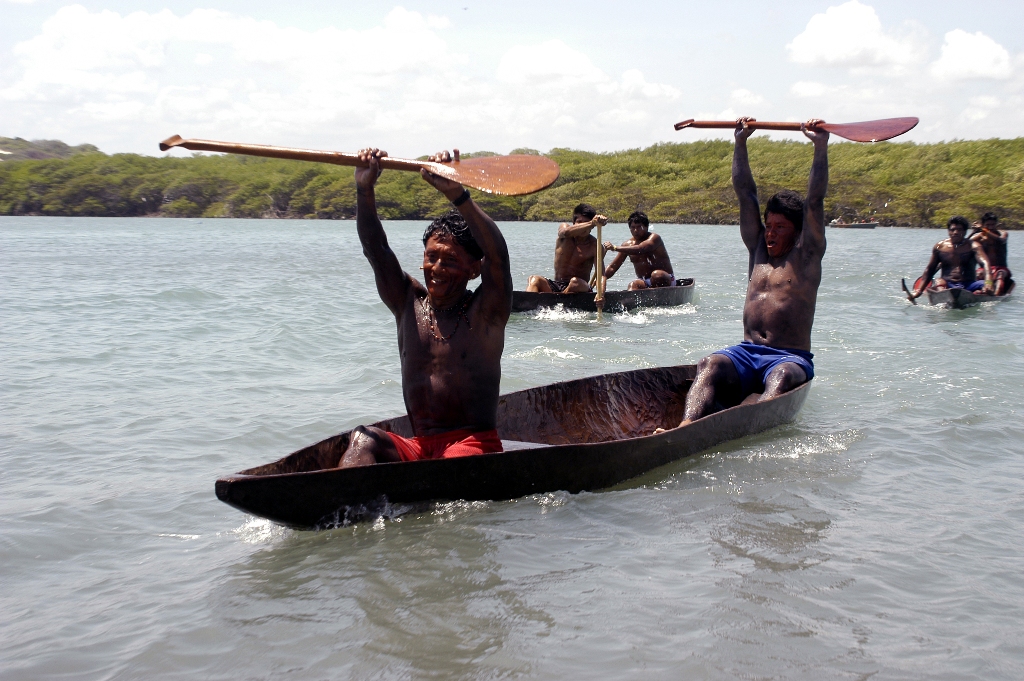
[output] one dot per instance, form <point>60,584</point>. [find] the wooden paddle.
<point>505,175</point>
<point>865,131</point>
<point>907,291</point>
<point>599,274</point>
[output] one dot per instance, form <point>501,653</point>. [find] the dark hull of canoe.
<point>614,301</point>
<point>959,298</point>
<point>857,225</point>
<point>586,434</point>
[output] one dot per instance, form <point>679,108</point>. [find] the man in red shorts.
<point>450,339</point>
<point>993,242</point>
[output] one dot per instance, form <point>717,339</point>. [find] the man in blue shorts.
<point>784,271</point>
<point>957,257</point>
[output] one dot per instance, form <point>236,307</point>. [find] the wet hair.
<point>989,216</point>
<point>452,224</point>
<point>789,205</point>
<point>584,210</point>
<point>959,221</point>
<point>638,216</point>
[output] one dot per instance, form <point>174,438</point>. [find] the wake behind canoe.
<point>581,435</point>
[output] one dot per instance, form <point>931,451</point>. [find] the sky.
<point>421,76</point>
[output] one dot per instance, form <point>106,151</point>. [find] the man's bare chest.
<point>766,277</point>
<point>575,251</point>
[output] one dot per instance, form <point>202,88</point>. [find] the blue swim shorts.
<point>973,286</point>
<point>754,362</point>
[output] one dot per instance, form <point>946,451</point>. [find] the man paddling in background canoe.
<point>450,340</point>
<point>993,242</point>
<point>783,274</point>
<point>646,251</point>
<point>575,254</point>
<point>958,259</point>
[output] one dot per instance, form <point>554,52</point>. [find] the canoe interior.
<point>615,301</point>
<point>597,409</point>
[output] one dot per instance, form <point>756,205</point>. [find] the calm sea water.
<point>880,535</point>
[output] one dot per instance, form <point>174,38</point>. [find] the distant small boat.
<point>853,225</point>
<point>614,301</point>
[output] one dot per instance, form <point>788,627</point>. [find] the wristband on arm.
<point>461,198</point>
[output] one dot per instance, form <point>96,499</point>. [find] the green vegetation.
<point>917,185</point>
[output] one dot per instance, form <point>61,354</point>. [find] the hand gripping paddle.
<point>506,175</point>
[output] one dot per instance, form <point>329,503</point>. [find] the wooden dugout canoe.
<point>614,301</point>
<point>959,299</point>
<point>586,434</point>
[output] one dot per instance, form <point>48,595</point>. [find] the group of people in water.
<point>450,339</point>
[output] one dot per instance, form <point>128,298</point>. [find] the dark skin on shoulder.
<point>957,257</point>
<point>784,272</point>
<point>451,360</point>
<point>575,254</point>
<point>647,252</point>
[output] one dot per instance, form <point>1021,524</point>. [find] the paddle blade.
<point>506,175</point>
<point>872,131</point>
<point>907,291</point>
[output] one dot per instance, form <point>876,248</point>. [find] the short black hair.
<point>959,221</point>
<point>989,216</point>
<point>454,225</point>
<point>638,216</point>
<point>585,210</point>
<point>789,205</point>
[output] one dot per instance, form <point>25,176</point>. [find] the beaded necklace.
<point>462,306</point>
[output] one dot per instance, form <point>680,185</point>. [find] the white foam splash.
<point>541,351</point>
<point>258,531</point>
<point>559,313</point>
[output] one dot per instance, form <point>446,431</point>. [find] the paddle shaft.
<point>754,125</point>
<point>599,272</point>
<point>264,150</point>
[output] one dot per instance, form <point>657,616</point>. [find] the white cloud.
<point>744,97</point>
<point>214,74</point>
<point>971,55</point>
<point>851,35</point>
<point>810,89</point>
<point>980,108</point>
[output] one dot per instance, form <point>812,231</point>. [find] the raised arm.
<point>813,233</point>
<point>565,230</point>
<point>751,227</point>
<point>496,273</point>
<point>392,282</point>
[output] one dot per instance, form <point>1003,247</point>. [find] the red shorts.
<point>448,445</point>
